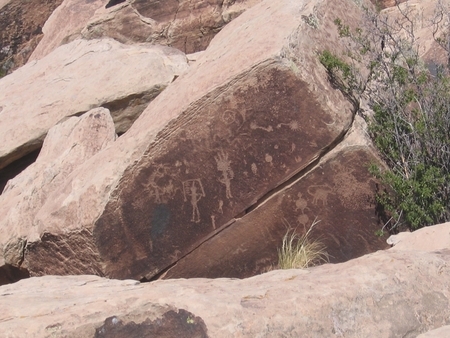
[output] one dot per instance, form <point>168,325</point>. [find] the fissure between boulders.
<point>16,167</point>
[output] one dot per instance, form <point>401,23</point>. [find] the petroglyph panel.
<point>346,229</point>
<point>209,165</point>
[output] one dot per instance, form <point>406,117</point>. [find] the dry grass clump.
<point>300,252</point>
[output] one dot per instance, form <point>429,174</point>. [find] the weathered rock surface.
<point>436,237</point>
<point>385,294</point>
<point>21,30</point>
<point>254,113</point>
<point>25,194</point>
<point>187,25</point>
<point>65,24</point>
<point>337,191</point>
<point>442,332</point>
<point>76,78</point>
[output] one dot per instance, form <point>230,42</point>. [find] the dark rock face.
<point>207,167</point>
<point>184,24</point>
<point>339,192</point>
<point>21,30</point>
<point>11,274</point>
<point>112,3</point>
<point>172,324</point>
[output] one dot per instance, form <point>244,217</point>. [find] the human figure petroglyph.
<point>224,165</point>
<point>301,204</point>
<point>194,190</point>
<point>221,206</point>
<point>319,193</point>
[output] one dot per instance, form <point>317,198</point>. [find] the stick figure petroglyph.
<point>194,190</point>
<point>224,165</point>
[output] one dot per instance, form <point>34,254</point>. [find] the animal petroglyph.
<point>159,188</point>
<point>224,166</point>
<point>293,125</point>
<point>193,189</point>
<point>254,126</point>
<point>319,193</point>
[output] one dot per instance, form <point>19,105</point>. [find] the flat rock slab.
<point>76,78</point>
<point>442,332</point>
<point>385,294</point>
<point>435,237</point>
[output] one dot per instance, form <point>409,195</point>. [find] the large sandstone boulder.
<point>187,25</point>
<point>21,30</point>
<point>24,195</point>
<point>252,116</point>
<point>76,78</point>
<point>385,294</point>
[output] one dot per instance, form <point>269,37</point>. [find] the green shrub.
<point>410,124</point>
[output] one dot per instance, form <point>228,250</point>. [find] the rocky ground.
<point>142,141</point>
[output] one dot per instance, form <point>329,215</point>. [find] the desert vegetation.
<point>300,251</point>
<point>409,109</point>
